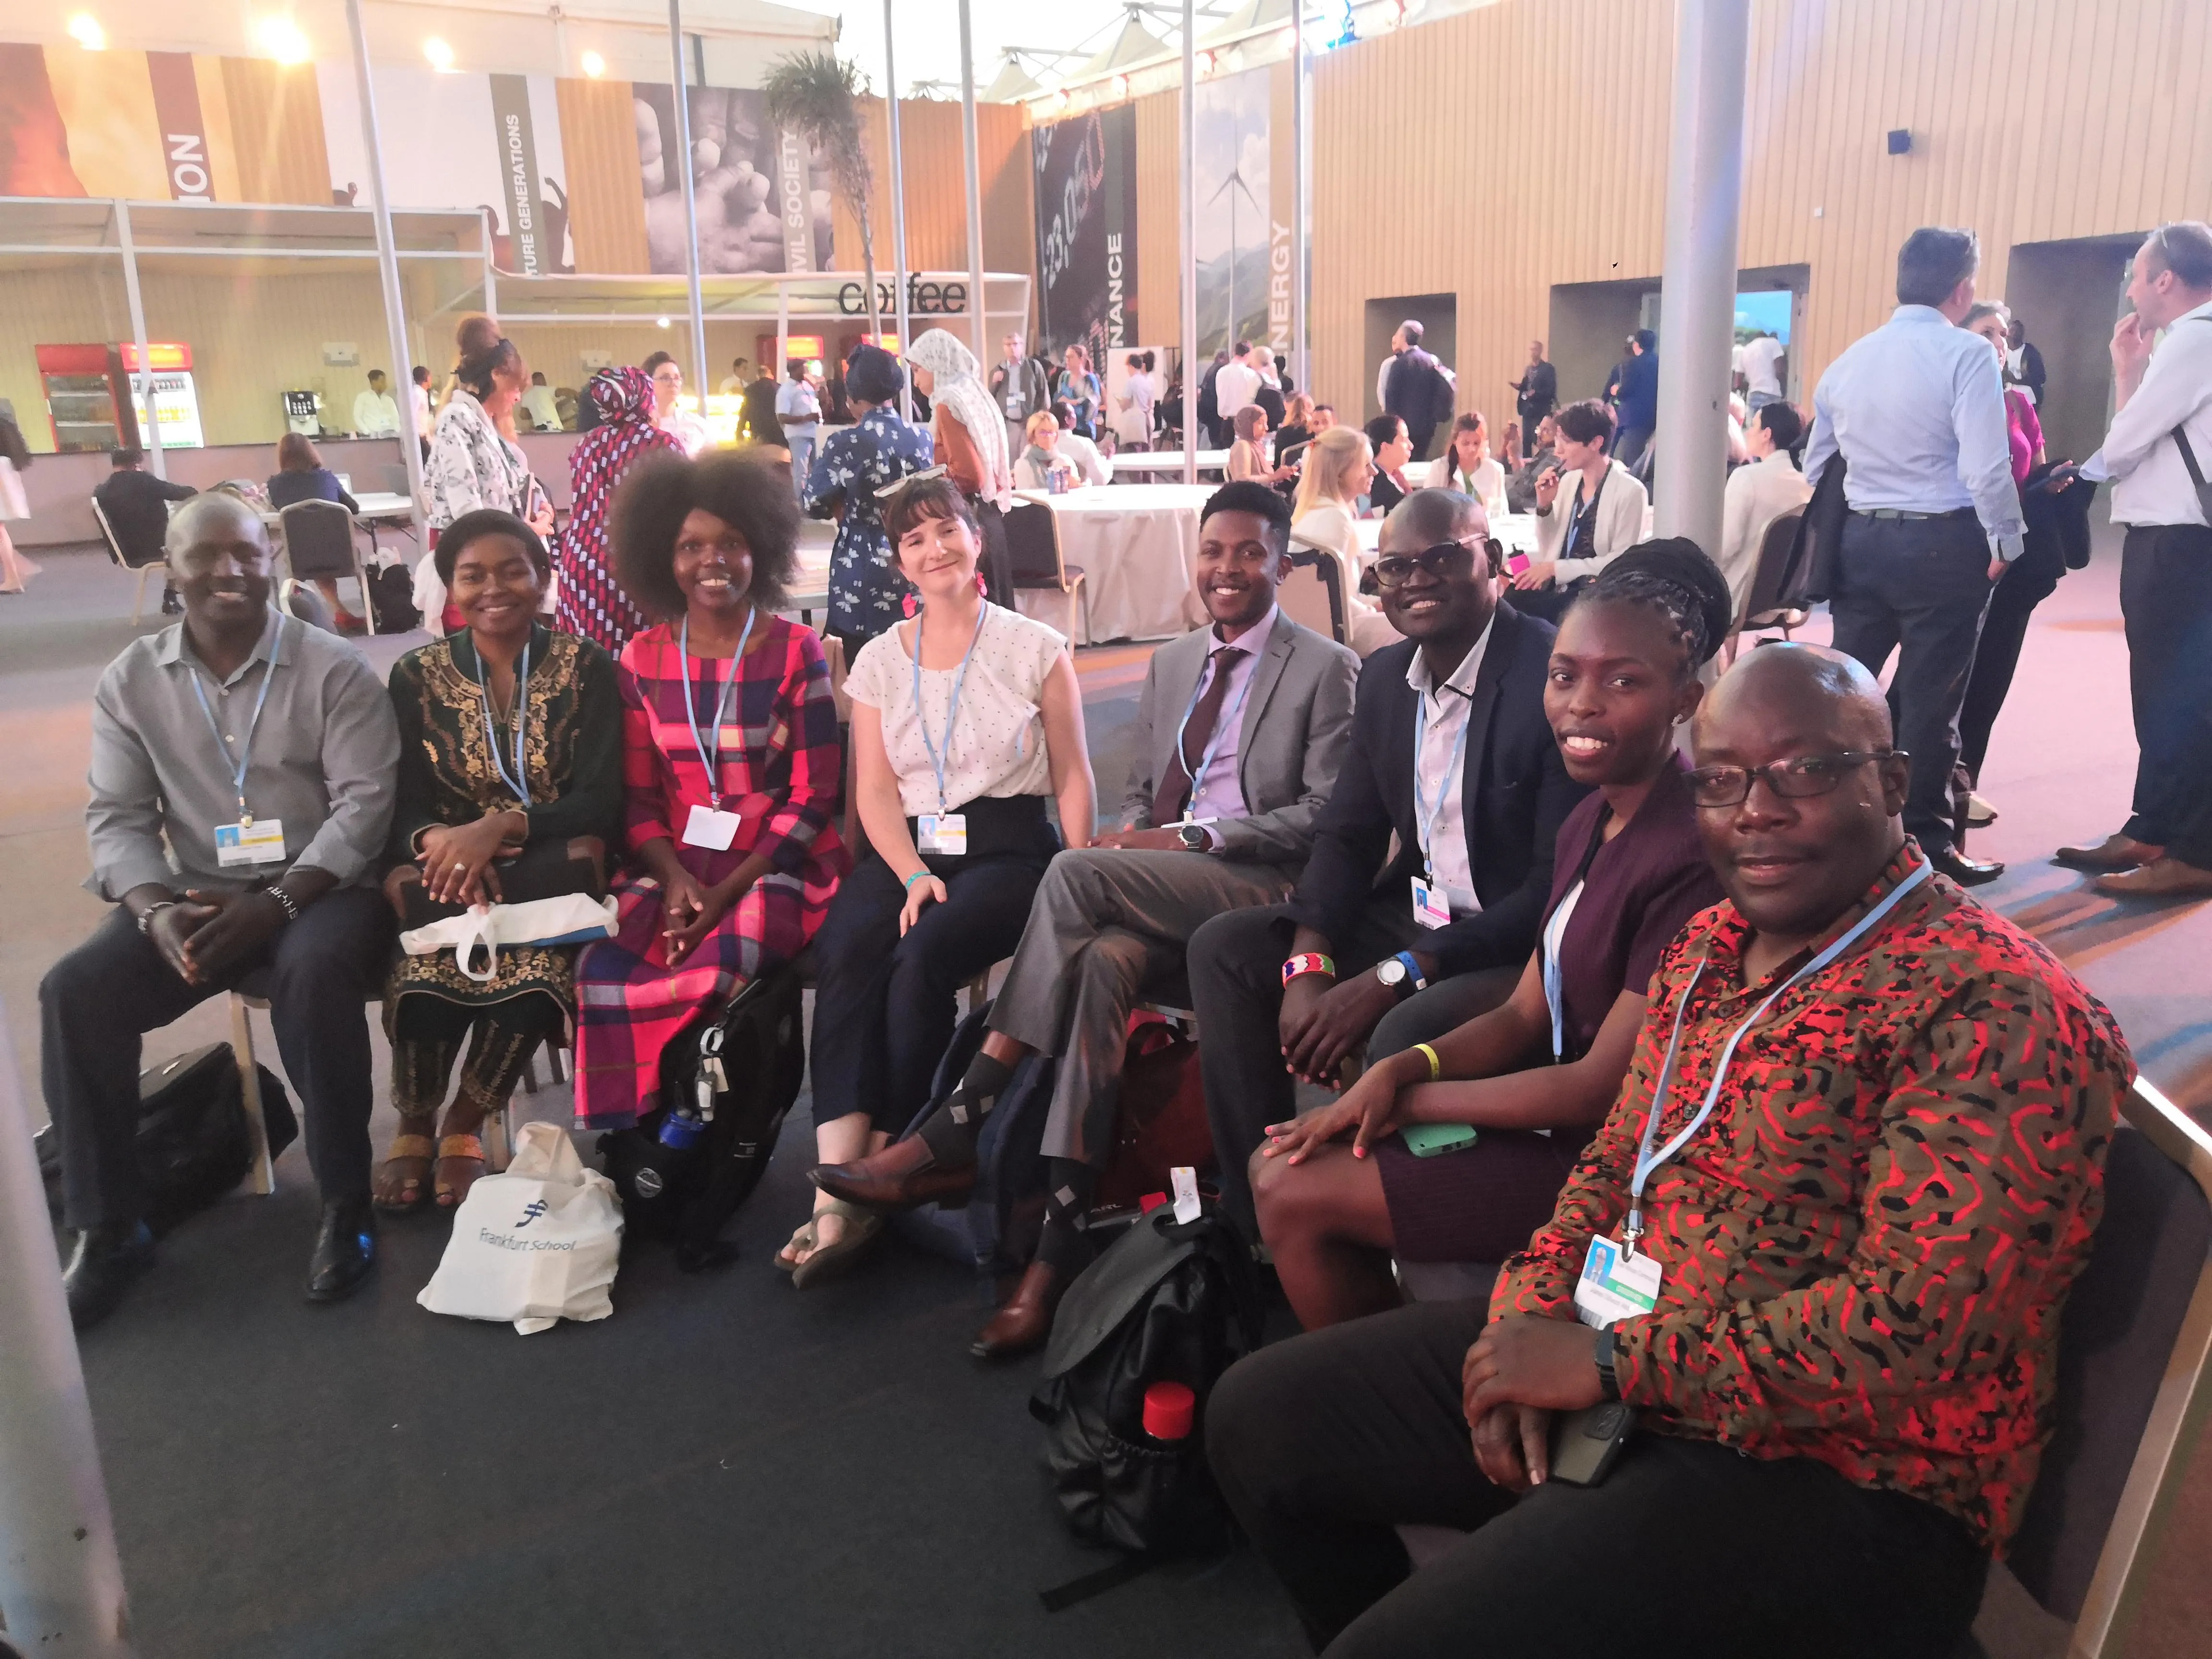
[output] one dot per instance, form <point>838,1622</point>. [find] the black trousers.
<point>1236,962</point>
<point>98,1002</point>
<point>2030,582</point>
<point>884,1005</point>
<point>1687,1550</point>
<point>2166,598</point>
<point>1919,587</point>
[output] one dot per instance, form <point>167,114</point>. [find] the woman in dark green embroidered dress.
<point>510,787</point>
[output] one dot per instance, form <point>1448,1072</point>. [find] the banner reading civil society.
<point>1086,230</point>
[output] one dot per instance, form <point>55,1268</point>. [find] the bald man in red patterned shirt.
<point>1824,1274</point>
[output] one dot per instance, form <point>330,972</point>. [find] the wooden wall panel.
<point>1495,153</point>
<point>1159,220</point>
<point>606,188</point>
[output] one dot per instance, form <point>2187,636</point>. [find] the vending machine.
<point>86,405</point>
<point>176,400</point>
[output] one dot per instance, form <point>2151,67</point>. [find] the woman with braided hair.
<point>1533,1079</point>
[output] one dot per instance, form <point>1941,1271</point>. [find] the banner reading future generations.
<point>1087,231</point>
<point>183,126</point>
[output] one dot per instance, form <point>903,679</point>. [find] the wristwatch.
<point>1193,837</point>
<point>1605,1379</point>
<point>1401,972</point>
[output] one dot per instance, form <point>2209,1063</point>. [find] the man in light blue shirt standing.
<point>1916,412</point>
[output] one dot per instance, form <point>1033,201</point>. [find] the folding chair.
<point>1314,595</point>
<point>1771,602</point>
<point>318,543</point>
<point>122,562</point>
<point>1033,550</point>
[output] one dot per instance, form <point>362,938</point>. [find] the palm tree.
<point>815,94</point>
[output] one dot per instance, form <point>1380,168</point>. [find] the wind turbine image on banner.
<point>1237,179</point>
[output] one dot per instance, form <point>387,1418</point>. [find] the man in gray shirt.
<point>243,770</point>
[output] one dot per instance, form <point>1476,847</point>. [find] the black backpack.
<point>752,1059</point>
<point>1169,1301</point>
<point>392,598</point>
<point>195,1144</point>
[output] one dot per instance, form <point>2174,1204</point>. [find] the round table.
<point>1137,545</point>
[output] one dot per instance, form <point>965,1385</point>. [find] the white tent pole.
<point>142,383</point>
<point>690,196</point>
<point>1187,179</point>
<point>387,271</point>
<point>898,210</point>
<point>1704,196</point>
<point>1301,179</point>
<point>61,1580</point>
<point>972,155</point>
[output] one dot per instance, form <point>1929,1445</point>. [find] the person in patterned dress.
<point>731,771</point>
<point>593,605</point>
<point>867,594</point>
<point>510,775</point>
<point>1824,1239</point>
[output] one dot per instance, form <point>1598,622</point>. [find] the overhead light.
<point>662,322</point>
<point>440,54</point>
<point>1119,86</point>
<point>84,29</point>
<point>593,65</point>
<point>282,38</point>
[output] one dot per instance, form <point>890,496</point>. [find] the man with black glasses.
<point>1451,754</point>
<point>1819,1253</point>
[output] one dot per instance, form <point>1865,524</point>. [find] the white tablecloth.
<point>1127,463</point>
<point>1138,548</point>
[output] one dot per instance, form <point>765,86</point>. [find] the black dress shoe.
<point>345,1250</point>
<point>101,1267</point>
<point>1967,872</point>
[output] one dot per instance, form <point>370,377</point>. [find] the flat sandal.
<point>409,1146</point>
<point>456,1147</point>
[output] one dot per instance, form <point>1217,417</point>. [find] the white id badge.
<point>1185,1180</point>
<point>1431,908</point>
<point>1615,1284</point>
<point>709,829</point>
<point>261,841</point>
<point>945,834</point>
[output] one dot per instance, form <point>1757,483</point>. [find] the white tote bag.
<point>535,1245</point>
<point>571,918</point>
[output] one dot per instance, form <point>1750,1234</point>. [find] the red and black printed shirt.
<point>1867,1247</point>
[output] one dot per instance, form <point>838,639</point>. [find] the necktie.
<point>1197,734</point>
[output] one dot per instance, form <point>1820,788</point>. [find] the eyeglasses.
<point>1797,779</point>
<point>1443,562</point>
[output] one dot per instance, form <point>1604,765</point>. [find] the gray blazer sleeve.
<point>1137,796</point>
<point>1284,836</point>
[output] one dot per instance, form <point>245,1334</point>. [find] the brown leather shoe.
<point>904,1175</point>
<point>2113,853</point>
<point>2162,878</point>
<point>1023,1320</point>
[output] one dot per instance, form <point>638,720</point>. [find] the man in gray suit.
<point>1240,732</point>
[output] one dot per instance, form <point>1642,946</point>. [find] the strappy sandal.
<point>414,1193</point>
<point>802,1240</point>
<point>861,1227</point>
<point>457,1149</point>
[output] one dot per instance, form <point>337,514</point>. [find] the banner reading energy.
<point>1086,230</point>
<point>1244,211</point>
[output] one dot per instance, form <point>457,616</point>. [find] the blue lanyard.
<point>246,753</point>
<point>1646,1159</point>
<point>712,753</point>
<point>1222,728</point>
<point>1428,815</point>
<point>518,780</point>
<point>952,706</point>
<point>1555,994</point>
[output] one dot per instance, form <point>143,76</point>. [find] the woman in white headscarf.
<point>968,434</point>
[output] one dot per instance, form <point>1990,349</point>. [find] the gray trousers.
<point>1102,923</point>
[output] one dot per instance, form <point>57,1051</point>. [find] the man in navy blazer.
<point>1453,789</point>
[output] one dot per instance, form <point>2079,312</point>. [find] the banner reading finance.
<point>1086,229</point>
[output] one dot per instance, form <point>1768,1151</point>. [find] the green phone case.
<point>1427,1140</point>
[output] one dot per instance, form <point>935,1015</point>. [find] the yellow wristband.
<point>1436,1065</point>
